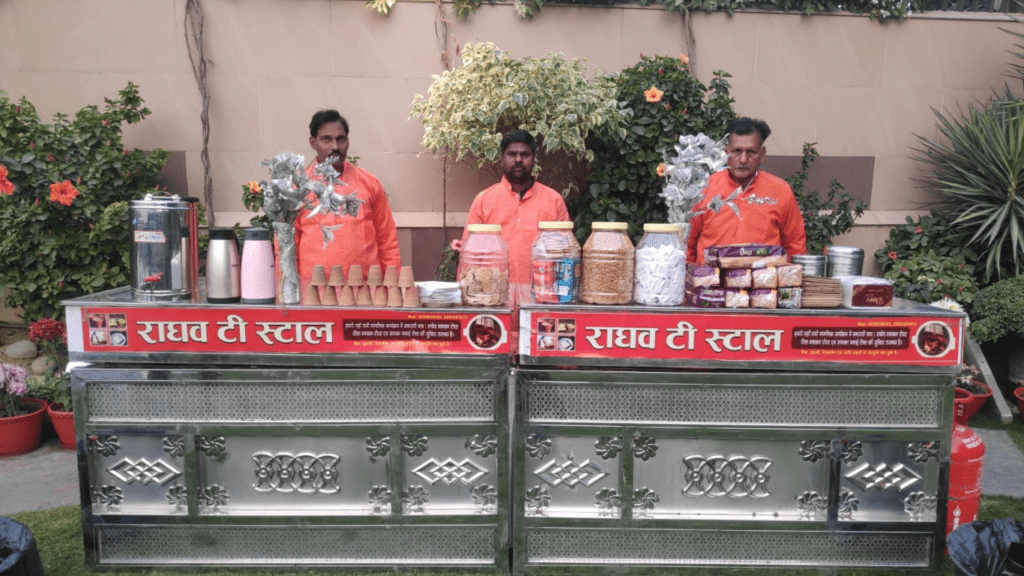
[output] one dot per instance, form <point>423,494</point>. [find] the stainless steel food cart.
<point>225,435</point>
<point>720,437</point>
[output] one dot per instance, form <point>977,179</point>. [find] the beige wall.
<point>857,88</point>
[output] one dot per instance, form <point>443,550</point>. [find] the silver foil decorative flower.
<point>687,170</point>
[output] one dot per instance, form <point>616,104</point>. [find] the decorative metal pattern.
<point>213,497</point>
<point>570,473</point>
<point>415,445</point>
<point>848,407</point>
<point>918,504</point>
<point>485,497</point>
<point>610,548</point>
<point>305,472</point>
<point>414,499</point>
<point>380,498</point>
<point>211,447</point>
<point>143,471</point>
<point>288,545</point>
<point>483,445</point>
<point>848,503</point>
<point>273,401</point>
<point>811,504</point>
<point>850,451</point>
<point>449,471</point>
<point>921,452</point>
<point>538,446</point>
<point>608,502</point>
<point>735,476</point>
<point>608,447</point>
<point>644,448</point>
<point>644,500</point>
<point>538,499</point>
<point>882,476</point>
<point>378,447</point>
<point>104,444</point>
<point>109,496</point>
<point>814,450</point>
<point>177,496</point>
<point>174,446</point>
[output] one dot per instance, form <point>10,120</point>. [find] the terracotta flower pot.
<point>960,402</point>
<point>1019,394</point>
<point>20,434</point>
<point>978,400</point>
<point>64,424</point>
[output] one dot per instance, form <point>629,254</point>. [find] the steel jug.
<point>258,275</point>
<point>223,280</point>
<point>164,249</point>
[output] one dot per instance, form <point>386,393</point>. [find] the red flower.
<point>904,270</point>
<point>63,193</point>
<point>917,230</point>
<point>6,186</point>
<point>893,255</point>
<point>46,330</point>
<point>939,281</point>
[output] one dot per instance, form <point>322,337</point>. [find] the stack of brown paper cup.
<point>337,276</point>
<point>391,276</point>
<point>394,296</point>
<point>355,276</point>
<point>405,278</point>
<point>311,297</point>
<point>330,297</point>
<point>374,277</point>
<point>345,296</point>
<point>363,298</point>
<point>411,297</point>
<point>380,296</point>
<point>319,276</point>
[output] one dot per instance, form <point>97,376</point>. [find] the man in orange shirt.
<point>517,203</point>
<point>768,211</point>
<point>366,238</point>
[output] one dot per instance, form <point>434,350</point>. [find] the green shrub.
<point>930,232</point>
<point>64,225</point>
<point>998,310</point>
<point>927,277</point>
<point>624,184</point>
<point>824,217</point>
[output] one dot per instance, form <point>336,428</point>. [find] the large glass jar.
<point>555,262</point>
<point>660,266</point>
<point>607,265</point>
<point>483,267</point>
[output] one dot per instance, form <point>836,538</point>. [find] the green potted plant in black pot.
<point>997,322</point>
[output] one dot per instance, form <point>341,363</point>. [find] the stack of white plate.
<point>439,294</point>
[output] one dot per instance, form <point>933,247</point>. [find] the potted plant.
<point>21,418</point>
<point>52,337</point>
<point>997,323</point>
<point>979,391</point>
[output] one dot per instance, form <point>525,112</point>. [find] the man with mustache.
<point>517,203</point>
<point>768,211</point>
<point>364,231</point>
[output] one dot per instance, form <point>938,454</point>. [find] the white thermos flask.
<point>223,280</point>
<point>258,267</point>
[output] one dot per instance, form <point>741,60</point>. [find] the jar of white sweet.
<point>660,266</point>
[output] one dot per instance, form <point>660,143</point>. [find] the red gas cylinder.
<point>966,461</point>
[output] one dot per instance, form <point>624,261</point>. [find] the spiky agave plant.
<point>977,174</point>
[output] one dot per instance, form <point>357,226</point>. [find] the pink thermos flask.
<point>258,267</point>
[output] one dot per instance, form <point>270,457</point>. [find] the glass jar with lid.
<point>607,265</point>
<point>483,266</point>
<point>555,263</point>
<point>660,266</point>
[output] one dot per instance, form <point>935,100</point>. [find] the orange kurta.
<point>499,204</point>
<point>769,214</point>
<point>368,238</point>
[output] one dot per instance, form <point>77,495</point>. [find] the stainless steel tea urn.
<point>844,260</point>
<point>223,280</point>
<point>164,249</point>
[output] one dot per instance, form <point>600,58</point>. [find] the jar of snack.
<point>660,266</point>
<point>483,267</point>
<point>555,263</point>
<point>607,265</point>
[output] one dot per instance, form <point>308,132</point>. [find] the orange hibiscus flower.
<point>661,169</point>
<point>6,186</point>
<point>685,59</point>
<point>653,95</point>
<point>254,187</point>
<point>63,192</point>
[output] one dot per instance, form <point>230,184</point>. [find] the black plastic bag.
<point>988,548</point>
<point>19,555</point>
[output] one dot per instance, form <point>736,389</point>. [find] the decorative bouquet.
<point>687,171</point>
<point>286,195</point>
<point>13,386</point>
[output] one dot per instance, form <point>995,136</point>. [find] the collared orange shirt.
<point>368,238</point>
<point>769,214</point>
<point>499,204</point>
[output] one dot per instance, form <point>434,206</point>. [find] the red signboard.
<point>289,331</point>
<point>882,339</point>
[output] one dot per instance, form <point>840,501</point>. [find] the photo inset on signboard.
<point>97,320</point>
<point>566,343</point>
<point>485,332</point>
<point>545,342</point>
<point>117,321</point>
<point>934,339</point>
<point>567,326</point>
<point>98,337</point>
<point>546,325</point>
<point>118,338</point>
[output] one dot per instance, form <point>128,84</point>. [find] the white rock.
<point>21,350</point>
<point>44,365</point>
